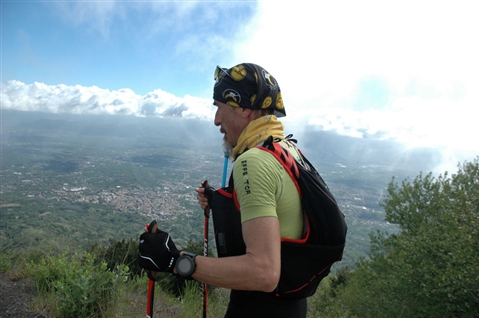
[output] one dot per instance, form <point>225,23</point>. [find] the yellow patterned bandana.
<point>248,85</point>
<point>257,131</point>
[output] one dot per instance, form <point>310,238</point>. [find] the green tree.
<point>340,280</point>
<point>430,268</point>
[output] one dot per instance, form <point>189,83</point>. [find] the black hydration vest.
<point>304,262</point>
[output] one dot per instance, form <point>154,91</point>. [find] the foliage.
<point>430,268</point>
<point>340,280</point>
<point>6,261</point>
<point>75,286</point>
<point>69,283</point>
<point>14,262</point>
<point>122,252</point>
<point>325,302</point>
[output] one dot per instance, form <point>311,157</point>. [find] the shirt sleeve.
<point>258,183</point>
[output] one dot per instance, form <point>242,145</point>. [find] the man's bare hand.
<point>202,199</point>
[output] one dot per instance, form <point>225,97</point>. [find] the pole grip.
<point>207,210</point>
<point>151,228</point>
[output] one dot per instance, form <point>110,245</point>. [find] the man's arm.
<point>259,269</point>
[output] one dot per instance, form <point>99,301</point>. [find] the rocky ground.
<point>16,297</point>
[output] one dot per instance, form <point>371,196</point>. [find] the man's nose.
<point>217,118</point>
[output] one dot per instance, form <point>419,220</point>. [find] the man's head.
<point>242,94</point>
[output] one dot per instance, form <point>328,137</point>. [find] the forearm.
<point>238,272</point>
<point>258,269</point>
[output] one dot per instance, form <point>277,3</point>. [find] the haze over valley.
<point>75,180</point>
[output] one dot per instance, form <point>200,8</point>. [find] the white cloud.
<point>78,99</point>
<point>402,70</point>
<point>320,51</point>
<point>412,120</point>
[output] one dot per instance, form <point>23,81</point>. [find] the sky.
<point>396,70</point>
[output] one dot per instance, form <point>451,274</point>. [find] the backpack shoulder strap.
<point>283,156</point>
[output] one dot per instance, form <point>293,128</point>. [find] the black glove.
<point>158,253</point>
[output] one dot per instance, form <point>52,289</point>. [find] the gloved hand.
<point>158,252</point>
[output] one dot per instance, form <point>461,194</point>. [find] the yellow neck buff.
<point>257,131</point>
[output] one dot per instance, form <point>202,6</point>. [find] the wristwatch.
<point>185,265</point>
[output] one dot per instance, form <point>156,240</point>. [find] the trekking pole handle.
<point>151,228</point>
<point>207,210</point>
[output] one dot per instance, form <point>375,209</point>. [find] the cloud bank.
<point>78,99</point>
<point>447,125</point>
<point>415,121</point>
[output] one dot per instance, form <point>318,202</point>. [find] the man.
<point>248,101</point>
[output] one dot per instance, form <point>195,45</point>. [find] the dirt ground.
<point>15,298</point>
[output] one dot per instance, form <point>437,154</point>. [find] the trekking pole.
<point>152,227</point>
<point>205,251</point>
<point>205,231</point>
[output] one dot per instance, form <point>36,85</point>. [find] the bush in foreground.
<point>75,287</point>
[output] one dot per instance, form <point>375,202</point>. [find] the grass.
<point>73,285</point>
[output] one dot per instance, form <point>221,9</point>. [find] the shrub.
<point>6,261</point>
<point>122,252</point>
<point>76,286</point>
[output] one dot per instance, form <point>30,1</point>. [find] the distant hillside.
<point>136,169</point>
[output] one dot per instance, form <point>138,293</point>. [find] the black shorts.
<point>264,305</point>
